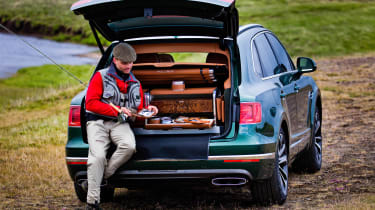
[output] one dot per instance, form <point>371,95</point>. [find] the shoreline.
<point>17,55</point>
<point>28,28</point>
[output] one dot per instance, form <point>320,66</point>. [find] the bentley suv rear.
<point>204,133</point>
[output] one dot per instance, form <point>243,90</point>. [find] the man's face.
<point>124,67</point>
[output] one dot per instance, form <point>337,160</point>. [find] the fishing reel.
<point>122,117</point>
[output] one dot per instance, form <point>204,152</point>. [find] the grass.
<point>306,27</point>
<point>361,202</point>
<point>48,18</point>
<point>189,57</point>
<point>35,178</point>
<point>316,28</point>
<point>36,84</point>
<point>34,105</point>
<point>34,108</point>
<point>33,129</point>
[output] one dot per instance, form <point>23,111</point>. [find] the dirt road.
<point>347,176</point>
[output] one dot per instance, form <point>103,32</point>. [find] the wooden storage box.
<point>191,101</point>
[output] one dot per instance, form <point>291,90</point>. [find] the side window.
<point>257,67</point>
<point>281,55</point>
<point>267,58</point>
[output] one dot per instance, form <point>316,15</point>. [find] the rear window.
<point>266,56</point>
<point>163,21</point>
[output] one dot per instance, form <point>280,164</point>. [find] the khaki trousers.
<point>100,134</point>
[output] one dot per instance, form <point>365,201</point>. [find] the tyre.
<point>106,193</point>
<point>310,159</point>
<point>274,189</point>
<point>80,192</point>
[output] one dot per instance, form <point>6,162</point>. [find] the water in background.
<point>15,54</point>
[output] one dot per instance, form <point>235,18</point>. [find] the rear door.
<point>124,19</point>
<point>301,91</point>
<point>304,89</point>
<point>275,64</point>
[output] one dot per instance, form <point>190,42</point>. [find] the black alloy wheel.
<point>315,151</point>
<point>317,138</point>
<point>283,162</point>
<point>274,189</point>
<point>80,192</point>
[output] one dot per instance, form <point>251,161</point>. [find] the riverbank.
<point>16,54</point>
<point>309,28</point>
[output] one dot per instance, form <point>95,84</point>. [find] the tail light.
<point>75,116</point>
<point>250,113</point>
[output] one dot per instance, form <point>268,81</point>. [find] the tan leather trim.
<point>187,91</point>
<point>218,108</point>
<point>179,47</point>
<point>168,75</point>
<point>185,47</point>
<point>171,72</point>
<point>222,111</point>
<point>169,64</point>
<point>178,85</point>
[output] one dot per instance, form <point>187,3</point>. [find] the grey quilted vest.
<point>111,92</point>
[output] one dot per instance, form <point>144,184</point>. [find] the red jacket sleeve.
<point>93,96</point>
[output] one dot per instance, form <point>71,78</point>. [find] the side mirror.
<point>305,65</point>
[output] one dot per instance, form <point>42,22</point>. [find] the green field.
<point>306,27</point>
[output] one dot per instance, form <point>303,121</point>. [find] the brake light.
<point>77,163</point>
<point>250,112</point>
<point>75,116</point>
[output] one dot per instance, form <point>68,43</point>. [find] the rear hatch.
<point>125,19</point>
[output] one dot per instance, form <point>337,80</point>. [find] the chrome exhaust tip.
<point>229,181</point>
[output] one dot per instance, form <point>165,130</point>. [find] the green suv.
<point>238,113</point>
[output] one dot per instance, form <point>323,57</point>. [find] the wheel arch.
<point>285,127</point>
<point>284,124</point>
<point>315,102</point>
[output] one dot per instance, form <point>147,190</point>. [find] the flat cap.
<point>124,52</point>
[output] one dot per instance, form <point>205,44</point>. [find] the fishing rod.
<point>43,54</point>
<point>121,117</point>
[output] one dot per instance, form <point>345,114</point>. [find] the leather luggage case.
<point>190,101</point>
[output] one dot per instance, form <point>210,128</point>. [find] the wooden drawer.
<point>183,106</point>
<point>188,101</point>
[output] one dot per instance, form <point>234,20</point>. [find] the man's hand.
<point>154,109</point>
<point>126,111</point>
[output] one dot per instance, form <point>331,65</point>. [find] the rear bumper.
<point>171,178</point>
<point>83,160</point>
<point>156,172</point>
